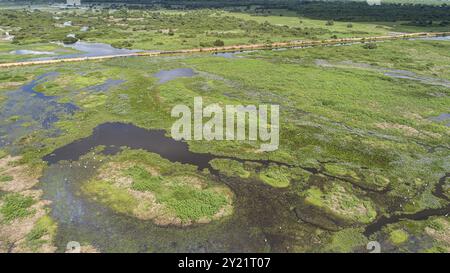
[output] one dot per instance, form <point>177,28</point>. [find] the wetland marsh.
<point>86,153</point>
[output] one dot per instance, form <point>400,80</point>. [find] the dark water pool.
<point>116,135</point>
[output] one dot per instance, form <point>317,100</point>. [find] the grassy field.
<point>167,30</point>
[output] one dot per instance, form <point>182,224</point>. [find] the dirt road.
<point>300,43</point>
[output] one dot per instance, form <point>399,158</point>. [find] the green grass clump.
<point>341,202</point>
<point>230,167</point>
<point>192,204</point>
<point>315,197</point>
<point>398,236</point>
<point>6,178</point>
<point>340,170</point>
<point>275,176</point>
<point>16,206</point>
<point>44,226</point>
<point>346,240</point>
<point>179,190</point>
<point>110,195</point>
<point>143,180</point>
<point>186,202</point>
<point>3,153</point>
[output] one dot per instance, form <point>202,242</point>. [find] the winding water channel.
<point>259,208</point>
<point>261,212</point>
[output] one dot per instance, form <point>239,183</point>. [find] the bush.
<point>329,23</point>
<point>349,25</point>
<point>370,46</point>
<point>69,40</point>
<point>218,43</point>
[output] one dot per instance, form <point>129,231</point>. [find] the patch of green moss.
<point>192,204</point>
<point>187,202</point>
<point>6,178</point>
<point>230,167</point>
<point>341,202</point>
<point>276,176</point>
<point>44,226</point>
<point>14,118</point>
<point>341,171</point>
<point>437,249</point>
<point>366,178</point>
<point>398,236</point>
<point>110,195</point>
<point>16,206</point>
<point>177,188</point>
<point>346,240</point>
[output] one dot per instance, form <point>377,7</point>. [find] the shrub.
<point>370,46</point>
<point>70,40</point>
<point>218,43</point>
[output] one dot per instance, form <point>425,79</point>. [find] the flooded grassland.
<point>363,155</point>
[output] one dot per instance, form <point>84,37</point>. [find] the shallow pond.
<point>442,117</point>
<point>441,38</point>
<point>26,110</point>
<point>408,75</point>
<point>31,52</point>
<point>168,75</point>
<point>90,50</point>
<point>109,83</point>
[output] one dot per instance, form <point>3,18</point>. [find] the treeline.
<point>360,11</point>
<point>329,10</point>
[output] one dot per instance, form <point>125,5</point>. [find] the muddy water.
<point>261,212</point>
<point>421,215</point>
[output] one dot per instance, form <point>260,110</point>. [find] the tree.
<point>69,40</point>
<point>218,42</point>
<point>370,46</point>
